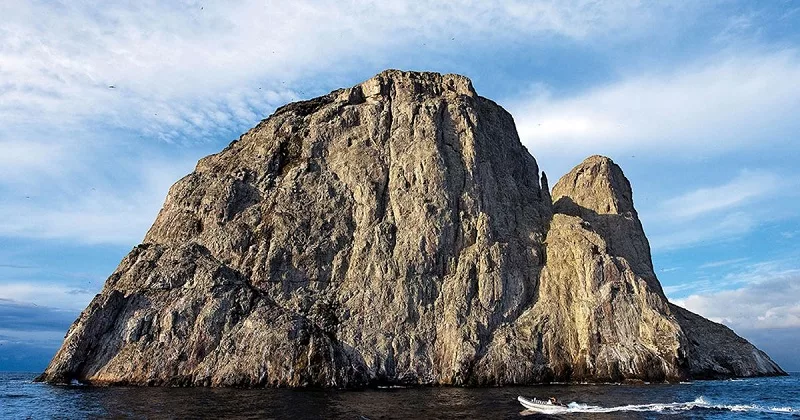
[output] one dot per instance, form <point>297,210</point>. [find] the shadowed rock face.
<point>393,232</point>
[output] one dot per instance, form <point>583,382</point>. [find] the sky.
<point>105,104</point>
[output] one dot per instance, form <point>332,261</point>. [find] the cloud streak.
<point>738,277</point>
<point>746,187</point>
<point>29,295</point>
<point>202,66</point>
<point>21,318</point>
<point>722,263</point>
<point>710,106</point>
<point>93,204</point>
<point>711,214</point>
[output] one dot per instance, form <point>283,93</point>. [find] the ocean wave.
<point>11,396</point>
<point>698,404</point>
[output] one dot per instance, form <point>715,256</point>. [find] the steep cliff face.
<point>716,352</point>
<point>616,322</point>
<point>600,314</point>
<point>393,232</point>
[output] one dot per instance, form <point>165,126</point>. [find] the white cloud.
<point>722,263</point>
<point>21,156</point>
<point>735,277</point>
<point>196,65</point>
<point>773,303</point>
<point>665,237</point>
<point>728,101</point>
<point>92,206</point>
<point>747,186</point>
<point>710,214</point>
<point>790,234</point>
<point>46,295</point>
<point>760,302</point>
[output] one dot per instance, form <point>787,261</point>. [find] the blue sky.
<point>697,101</point>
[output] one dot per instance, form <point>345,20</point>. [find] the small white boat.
<point>539,406</point>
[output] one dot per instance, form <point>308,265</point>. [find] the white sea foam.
<point>699,403</point>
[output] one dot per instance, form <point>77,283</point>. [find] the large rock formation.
<point>393,232</point>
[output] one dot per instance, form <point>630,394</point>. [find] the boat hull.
<point>540,406</point>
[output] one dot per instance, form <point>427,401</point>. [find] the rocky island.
<point>396,232</point>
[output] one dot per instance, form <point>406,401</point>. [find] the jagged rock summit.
<point>393,232</point>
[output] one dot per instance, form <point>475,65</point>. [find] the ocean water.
<point>742,398</point>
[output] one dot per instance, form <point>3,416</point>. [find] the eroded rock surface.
<point>600,313</point>
<point>716,352</point>
<point>393,232</point>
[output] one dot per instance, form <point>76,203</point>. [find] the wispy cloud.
<point>16,266</point>
<point>722,263</point>
<point>200,66</point>
<point>774,303</point>
<point>746,187</point>
<point>678,289</point>
<point>24,317</point>
<point>709,282</point>
<point>726,227</point>
<point>30,295</point>
<point>715,213</point>
<point>790,234</point>
<point>94,204</point>
<point>738,26</point>
<point>713,105</point>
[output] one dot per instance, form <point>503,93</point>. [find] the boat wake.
<point>698,404</point>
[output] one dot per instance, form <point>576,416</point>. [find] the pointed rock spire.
<point>598,185</point>
<point>598,192</point>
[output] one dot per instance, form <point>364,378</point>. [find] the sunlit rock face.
<point>393,232</point>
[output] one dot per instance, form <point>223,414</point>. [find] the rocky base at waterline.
<point>393,232</point>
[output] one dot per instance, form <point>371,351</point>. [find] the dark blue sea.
<point>746,398</point>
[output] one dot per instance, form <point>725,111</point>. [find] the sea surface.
<point>742,398</point>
